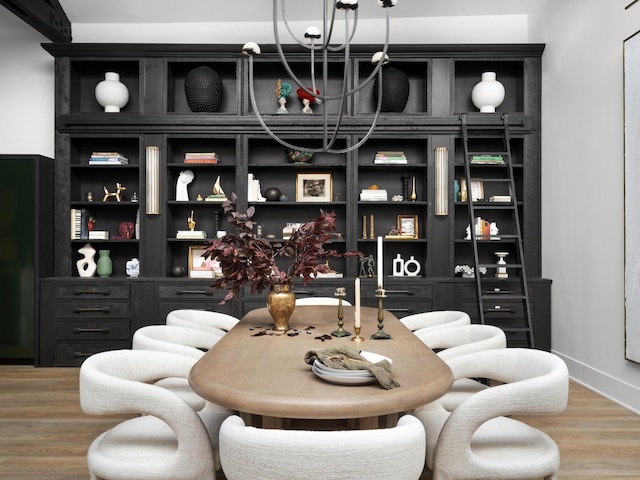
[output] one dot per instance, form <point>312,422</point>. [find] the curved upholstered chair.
<point>271,454</point>
<point>435,319</point>
<point>169,338</point>
<point>458,340</point>
<point>168,439</point>
<point>215,322</point>
<point>477,440</point>
<point>321,301</point>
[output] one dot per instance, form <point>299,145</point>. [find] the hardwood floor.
<point>44,434</point>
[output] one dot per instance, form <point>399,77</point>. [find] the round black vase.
<point>203,87</point>
<point>395,90</point>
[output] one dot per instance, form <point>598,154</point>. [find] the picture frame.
<point>200,267</point>
<point>314,187</point>
<point>408,225</point>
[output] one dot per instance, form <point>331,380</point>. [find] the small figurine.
<point>307,99</point>
<point>191,222</point>
<point>283,89</point>
<point>184,179</point>
<point>367,266</point>
<point>119,189</point>
<point>217,188</point>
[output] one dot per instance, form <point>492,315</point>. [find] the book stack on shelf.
<point>390,158</point>
<point>108,158</point>
<point>98,235</point>
<point>373,195</point>
<point>206,158</point>
<point>186,234</point>
<point>487,160</point>
<point>80,218</point>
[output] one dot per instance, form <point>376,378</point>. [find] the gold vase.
<point>280,302</point>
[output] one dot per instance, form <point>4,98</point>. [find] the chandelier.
<point>318,43</point>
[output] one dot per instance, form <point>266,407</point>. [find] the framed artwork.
<point>408,225</point>
<point>631,76</point>
<point>314,187</point>
<point>200,267</point>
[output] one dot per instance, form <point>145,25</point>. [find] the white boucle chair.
<point>321,301</point>
<point>215,322</point>
<point>168,440</point>
<point>185,341</point>
<point>459,340</point>
<point>272,454</point>
<point>435,319</point>
<point>477,440</point>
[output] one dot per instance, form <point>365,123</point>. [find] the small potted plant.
<point>246,259</point>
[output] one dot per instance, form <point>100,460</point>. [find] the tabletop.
<point>256,370</point>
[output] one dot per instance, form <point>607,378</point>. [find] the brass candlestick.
<point>357,338</point>
<point>381,334</point>
<point>340,332</point>
<point>372,233</point>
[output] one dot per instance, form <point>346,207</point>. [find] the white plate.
<point>342,379</point>
<point>370,356</point>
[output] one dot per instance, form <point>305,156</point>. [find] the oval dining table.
<point>257,371</point>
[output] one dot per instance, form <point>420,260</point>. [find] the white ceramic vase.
<point>111,93</point>
<point>87,265</point>
<point>488,93</point>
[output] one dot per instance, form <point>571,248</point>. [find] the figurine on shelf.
<point>307,99</point>
<point>283,89</point>
<point>367,266</point>
<point>184,179</point>
<point>117,194</point>
<point>191,222</point>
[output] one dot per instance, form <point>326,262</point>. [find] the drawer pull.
<point>92,291</point>
<point>401,292</point>
<point>303,292</point>
<point>91,330</point>
<point>193,292</point>
<point>81,355</point>
<point>92,309</point>
<point>497,291</point>
<point>401,310</point>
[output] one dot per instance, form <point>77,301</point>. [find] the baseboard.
<point>622,393</point>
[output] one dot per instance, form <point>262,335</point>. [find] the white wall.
<point>582,187</point>
<point>26,90</point>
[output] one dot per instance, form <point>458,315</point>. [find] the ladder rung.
<point>503,296</point>
<point>506,154</point>
<point>508,265</point>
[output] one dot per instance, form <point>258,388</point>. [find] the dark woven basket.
<point>203,87</point>
<point>395,90</point>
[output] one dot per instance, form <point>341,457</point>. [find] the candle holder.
<point>357,338</point>
<point>381,334</point>
<point>340,332</point>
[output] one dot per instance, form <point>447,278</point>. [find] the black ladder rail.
<point>485,295</point>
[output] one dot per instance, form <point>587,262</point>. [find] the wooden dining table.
<point>260,372</point>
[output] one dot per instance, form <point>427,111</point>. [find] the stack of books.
<point>108,158</point>
<point>390,158</point>
<point>191,234</point>
<point>202,273</point>
<point>487,159</point>
<point>370,195</point>
<point>98,235</point>
<point>209,158</point>
<point>79,223</point>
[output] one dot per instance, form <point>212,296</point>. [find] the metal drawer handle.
<point>499,310</point>
<point>303,292</point>
<point>403,310</point>
<point>92,309</point>
<point>401,292</point>
<point>193,292</point>
<point>92,291</point>
<point>81,355</point>
<point>91,330</point>
<point>497,291</point>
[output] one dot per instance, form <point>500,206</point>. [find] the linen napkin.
<point>343,357</point>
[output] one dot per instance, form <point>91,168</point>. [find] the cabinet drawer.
<point>401,308</point>
<point>106,330</point>
<point>92,309</point>
<point>401,291</point>
<point>93,291</point>
<point>212,305</point>
<point>184,291</point>
<point>501,313</point>
<point>72,354</point>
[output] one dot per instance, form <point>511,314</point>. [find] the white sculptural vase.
<point>87,265</point>
<point>488,94</point>
<point>111,93</point>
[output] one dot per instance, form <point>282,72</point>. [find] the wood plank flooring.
<point>44,434</point>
